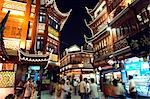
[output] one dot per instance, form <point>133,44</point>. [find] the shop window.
<point>105,42</point>
<point>100,45</point>
<point>122,31</point>
<point>39,43</point>
<point>42,18</point>
<point>118,33</point>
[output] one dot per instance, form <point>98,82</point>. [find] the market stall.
<point>139,68</point>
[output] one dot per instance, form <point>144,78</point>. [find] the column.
<point>25,25</point>
<point>59,47</point>
<point>45,33</point>
<point>35,24</point>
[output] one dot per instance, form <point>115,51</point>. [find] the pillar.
<point>45,33</point>
<point>35,24</point>
<point>25,25</point>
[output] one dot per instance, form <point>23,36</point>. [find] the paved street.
<point>46,95</point>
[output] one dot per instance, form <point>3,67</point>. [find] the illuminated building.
<point>102,37</point>
<point>121,30</point>
<point>77,62</point>
<point>32,27</point>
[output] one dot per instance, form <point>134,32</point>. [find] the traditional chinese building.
<point>120,31</point>
<point>31,33</point>
<point>102,37</point>
<point>76,62</point>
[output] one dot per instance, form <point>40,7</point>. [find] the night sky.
<point>75,27</point>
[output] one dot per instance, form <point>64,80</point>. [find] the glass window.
<point>56,26</point>
<point>118,33</point>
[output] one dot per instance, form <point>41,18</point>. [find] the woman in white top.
<point>93,88</point>
<point>132,87</point>
<point>67,90</point>
<point>29,87</point>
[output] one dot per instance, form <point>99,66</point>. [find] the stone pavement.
<point>46,95</point>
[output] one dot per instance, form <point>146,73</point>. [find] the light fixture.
<point>111,62</point>
<point>99,68</point>
<point>80,65</point>
<point>108,28</point>
<point>148,7</point>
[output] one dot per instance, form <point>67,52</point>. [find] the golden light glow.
<point>56,38</point>
<point>28,44</point>
<point>14,12</point>
<point>11,43</point>
<point>54,57</point>
<point>52,31</point>
<point>14,5</point>
<point>22,44</point>
<point>129,1</point>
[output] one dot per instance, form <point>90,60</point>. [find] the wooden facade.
<point>126,18</point>
<point>75,62</point>
<point>17,25</point>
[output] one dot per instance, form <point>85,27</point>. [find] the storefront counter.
<point>5,91</point>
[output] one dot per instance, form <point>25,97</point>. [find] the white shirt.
<point>75,83</point>
<point>88,87</point>
<point>132,84</point>
<point>83,87</point>
<point>94,91</point>
<point>28,90</point>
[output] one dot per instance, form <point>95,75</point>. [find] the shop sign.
<point>140,42</point>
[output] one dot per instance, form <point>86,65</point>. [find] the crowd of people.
<point>25,90</point>
<point>116,89</point>
<point>86,89</point>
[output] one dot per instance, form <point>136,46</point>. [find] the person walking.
<point>83,88</point>
<point>67,90</point>
<point>132,87</point>
<point>75,85</point>
<point>94,90</point>
<point>88,89</point>
<point>20,90</point>
<point>58,90</point>
<point>119,89</point>
<point>29,88</point>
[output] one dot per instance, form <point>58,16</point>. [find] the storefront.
<point>139,68</point>
<point>7,79</point>
<point>108,73</point>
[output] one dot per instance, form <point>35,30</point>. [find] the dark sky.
<point>75,27</point>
